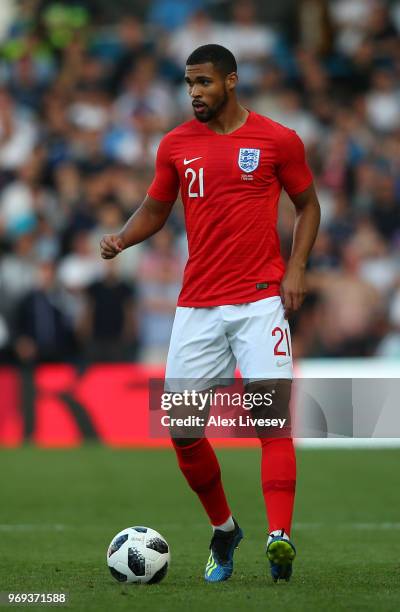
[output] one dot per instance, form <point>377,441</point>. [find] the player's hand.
<point>110,246</point>
<point>293,288</point>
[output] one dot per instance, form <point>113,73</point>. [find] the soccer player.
<point>231,165</point>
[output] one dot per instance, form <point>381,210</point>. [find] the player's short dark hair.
<point>223,59</point>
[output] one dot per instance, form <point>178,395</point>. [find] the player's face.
<point>208,89</point>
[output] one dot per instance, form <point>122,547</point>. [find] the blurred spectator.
<point>352,333</point>
<point>88,110</point>
<point>250,41</point>
<point>25,85</point>
<point>141,114</point>
<point>144,95</point>
<point>80,267</point>
<point>291,113</point>
<point>266,99</point>
<point>63,19</point>
<point>17,134</point>
<point>56,128</point>
<point>172,14</point>
<point>132,46</point>
<point>17,272</point>
<point>198,30</point>
<point>351,19</point>
<point>43,332</point>
<point>110,219</point>
<point>27,197</point>
<point>7,12</point>
<point>389,346</point>
<point>386,210</point>
<point>382,32</point>
<point>108,324</point>
<point>315,26</point>
<point>383,102</point>
<point>159,280</point>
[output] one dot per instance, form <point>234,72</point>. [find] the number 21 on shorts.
<point>282,345</point>
<point>196,183</point>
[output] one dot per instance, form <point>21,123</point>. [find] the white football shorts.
<point>207,344</point>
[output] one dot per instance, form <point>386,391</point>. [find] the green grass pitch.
<point>60,509</point>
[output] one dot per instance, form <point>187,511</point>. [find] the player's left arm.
<point>308,214</point>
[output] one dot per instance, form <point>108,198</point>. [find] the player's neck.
<point>230,119</point>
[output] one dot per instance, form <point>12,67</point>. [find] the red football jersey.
<point>230,186</point>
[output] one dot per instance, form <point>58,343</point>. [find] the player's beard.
<point>212,112</point>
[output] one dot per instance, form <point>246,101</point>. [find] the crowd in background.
<point>83,106</point>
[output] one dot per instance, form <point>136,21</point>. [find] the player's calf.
<point>278,474</point>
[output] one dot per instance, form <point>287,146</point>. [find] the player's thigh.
<point>260,341</point>
<point>199,355</point>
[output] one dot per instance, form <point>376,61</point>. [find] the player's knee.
<point>270,405</point>
<point>182,442</point>
<point>185,425</point>
<point>276,386</point>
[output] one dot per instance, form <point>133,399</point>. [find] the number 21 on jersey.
<point>196,183</point>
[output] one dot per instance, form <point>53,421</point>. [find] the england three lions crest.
<point>248,159</point>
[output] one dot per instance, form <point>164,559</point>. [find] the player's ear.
<point>231,80</point>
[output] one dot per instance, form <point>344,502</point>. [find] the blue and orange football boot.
<point>220,562</point>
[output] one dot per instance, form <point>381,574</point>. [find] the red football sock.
<point>278,478</point>
<point>200,467</point>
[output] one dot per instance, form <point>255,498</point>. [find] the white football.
<point>138,554</point>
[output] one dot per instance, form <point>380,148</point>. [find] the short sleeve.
<point>293,171</point>
<point>165,185</point>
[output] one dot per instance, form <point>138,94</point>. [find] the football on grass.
<point>138,554</point>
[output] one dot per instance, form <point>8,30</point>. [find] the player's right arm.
<point>153,212</point>
<point>146,221</point>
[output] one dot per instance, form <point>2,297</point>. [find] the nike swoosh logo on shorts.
<point>187,161</point>
<point>282,363</point>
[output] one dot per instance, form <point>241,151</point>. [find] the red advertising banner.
<point>61,405</point>
<point>11,416</point>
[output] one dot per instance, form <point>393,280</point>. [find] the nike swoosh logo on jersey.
<point>188,161</point>
<point>282,363</point>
